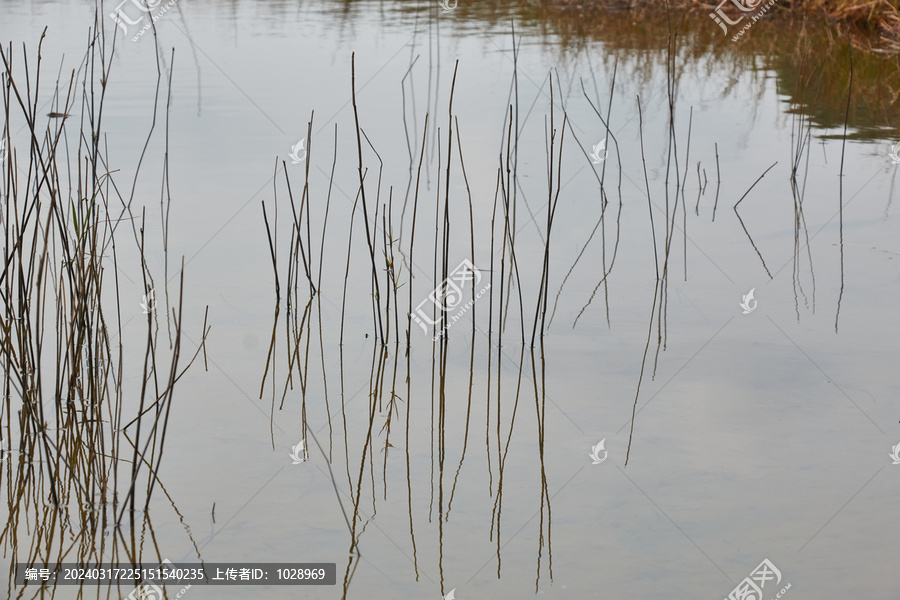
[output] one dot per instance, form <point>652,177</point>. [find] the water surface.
<point>760,435</point>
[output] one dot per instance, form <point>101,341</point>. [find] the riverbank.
<point>873,25</point>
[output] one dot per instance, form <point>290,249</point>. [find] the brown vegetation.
<point>874,24</point>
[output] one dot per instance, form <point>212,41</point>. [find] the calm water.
<point>761,435</point>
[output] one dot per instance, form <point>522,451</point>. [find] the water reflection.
<point>340,270</point>
<point>809,59</point>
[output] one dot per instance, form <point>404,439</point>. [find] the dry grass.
<point>874,24</point>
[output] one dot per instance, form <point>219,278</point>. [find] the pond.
<point>701,289</point>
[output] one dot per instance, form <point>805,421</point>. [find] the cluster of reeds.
<point>83,442</point>
<point>519,312</point>
<point>391,258</point>
<point>517,291</point>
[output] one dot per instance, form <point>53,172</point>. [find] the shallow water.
<point>761,435</point>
